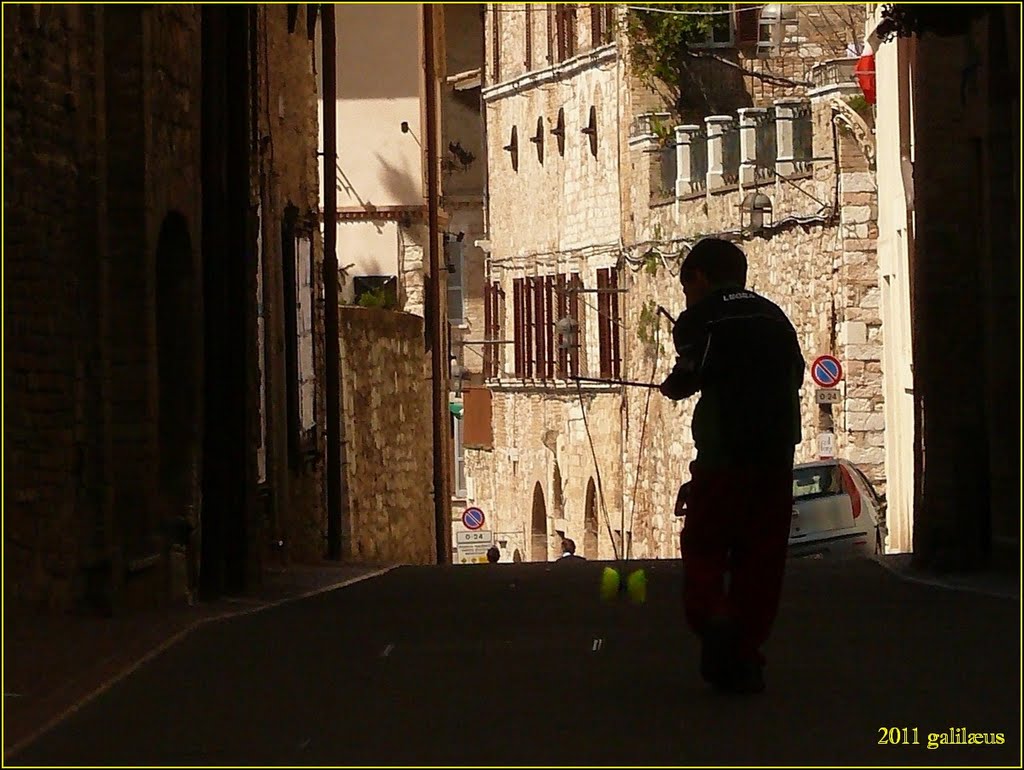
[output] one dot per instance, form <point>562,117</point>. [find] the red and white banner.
<point>864,71</point>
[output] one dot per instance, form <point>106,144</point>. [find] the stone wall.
<point>568,201</point>
<point>388,462</point>
<point>819,268</point>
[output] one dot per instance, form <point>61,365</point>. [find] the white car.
<point>836,511</point>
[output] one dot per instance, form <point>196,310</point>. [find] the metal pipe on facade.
<point>332,347</point>
<point>435,321</point>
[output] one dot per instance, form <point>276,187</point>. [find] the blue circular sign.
<point>473,518</point>
<point>826,371</point>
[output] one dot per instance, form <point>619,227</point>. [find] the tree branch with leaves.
<point>663,46</point>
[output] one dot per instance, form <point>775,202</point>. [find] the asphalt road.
<point>523,664</point>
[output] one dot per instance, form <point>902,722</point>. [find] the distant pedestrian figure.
<point>493,554</point>
<point>569,551</point>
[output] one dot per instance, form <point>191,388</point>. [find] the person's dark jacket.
<point>742,353</point>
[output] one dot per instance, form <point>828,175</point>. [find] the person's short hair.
<point>569,546</point>
<point>493,554</point>
<point>721,261</point>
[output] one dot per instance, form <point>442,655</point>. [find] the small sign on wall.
<point>827,396</point>
<point>826,446</point>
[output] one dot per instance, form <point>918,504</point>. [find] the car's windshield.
<point>816,481</point>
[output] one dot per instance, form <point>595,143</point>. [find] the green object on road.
<point>635,585</point>
<point>609,583</point>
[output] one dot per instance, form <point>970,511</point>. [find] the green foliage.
<point>380,297</point>
<point>651,262</point>
<point>647,325</point>
<point>662,130</point>
<point>659,41</point>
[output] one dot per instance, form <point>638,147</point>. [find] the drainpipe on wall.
<point>332,347</point>
<point>438,369</point>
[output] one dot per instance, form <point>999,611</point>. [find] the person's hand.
<point>669,389</point>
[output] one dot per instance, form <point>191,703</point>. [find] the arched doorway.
<point>539,528</point>
<point>590,522</point>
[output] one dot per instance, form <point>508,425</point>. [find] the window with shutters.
<point>566,305</point>
<point>575,287</point>
<point>528,60</point>
<point>297,265</point>
<point>608,323</point>
<point>524,311</point>
<point>495,42</point>
<point>542,327</point>
<point>460,458</point>
<point>494,303</point>
<point>454,256</point>
<point>561,311</point>
<point>537,306</point>
<point>565,24</point>
<point>602,20</point>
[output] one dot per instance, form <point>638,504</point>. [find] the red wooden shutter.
<point>603,325</point>
<point>488,329</point>
<point>614,325</point>
<point>574,313</point>
<point>560,310</point>
<point>519,335</point>
<point>477,424</point>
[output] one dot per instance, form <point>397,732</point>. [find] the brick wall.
<point>45,334</point>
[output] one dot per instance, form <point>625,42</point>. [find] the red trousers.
<point>737,522</point>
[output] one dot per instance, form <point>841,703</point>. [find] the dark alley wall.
<point>966,283</point>
<point>112,163</point>
<point>101,151</point>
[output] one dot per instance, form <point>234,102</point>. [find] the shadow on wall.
<point>711,87</point>
<point>400,186</point>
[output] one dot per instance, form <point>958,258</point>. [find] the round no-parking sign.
<point>472,518</point>
<point>826,371</point>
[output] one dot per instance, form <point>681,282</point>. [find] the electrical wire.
<point>597,473</point>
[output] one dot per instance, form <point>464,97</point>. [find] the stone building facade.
<point>632,209</point>
<point>553,215</point>
<point>143,145</point>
